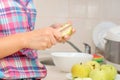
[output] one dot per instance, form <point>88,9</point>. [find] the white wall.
<point>85,14</point>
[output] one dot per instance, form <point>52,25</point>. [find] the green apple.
<point>98,74</point>
<point>93,64</point>
<point>66,29</point>
<point>111,71</point>
<point>80,70</point>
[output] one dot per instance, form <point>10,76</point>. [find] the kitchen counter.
<point>54,73</point>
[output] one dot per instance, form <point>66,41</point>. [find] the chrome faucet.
<point>87,47</point>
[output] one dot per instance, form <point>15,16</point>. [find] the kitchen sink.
<point>47,62</point>
<point>46,59</point>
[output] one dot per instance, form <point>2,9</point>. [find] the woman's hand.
<point>37,39</point>
<point>65,37</point>
<point>45,37</point>
<point>42,38</point>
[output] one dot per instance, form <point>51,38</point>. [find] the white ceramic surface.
<point>100,32</point>
<point>65,60</point>
<point>69,76</point>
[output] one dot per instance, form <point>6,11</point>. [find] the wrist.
<point>23,40</point>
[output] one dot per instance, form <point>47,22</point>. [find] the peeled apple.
<point>66,29</point>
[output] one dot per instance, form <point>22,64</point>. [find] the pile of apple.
<point>92,70</point>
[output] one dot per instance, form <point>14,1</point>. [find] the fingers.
<point>73,31</point>
<point>50,39</point>
<point>47,37</point>
<point>58,36</point>
<point>45,43</point>
<point>48,43</point>
<point>56,26</point>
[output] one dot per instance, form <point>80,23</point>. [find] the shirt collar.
<point>23,2</point>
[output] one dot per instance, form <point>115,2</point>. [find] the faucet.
<point>87,47</point>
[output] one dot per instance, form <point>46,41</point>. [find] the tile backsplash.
<point>85,15</point>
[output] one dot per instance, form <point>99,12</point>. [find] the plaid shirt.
<point>18,16</point>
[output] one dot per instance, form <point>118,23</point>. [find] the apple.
<point>105,72</point>
<point>82,79</point>
<point>80,70</point>
<point>93,64</point>
<point>111,71</point>
<point>66,29</point>
<point>98,74</point>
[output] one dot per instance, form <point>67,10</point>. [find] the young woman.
<point>19,41</point>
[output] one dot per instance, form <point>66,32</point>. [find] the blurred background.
<point>85,15</point>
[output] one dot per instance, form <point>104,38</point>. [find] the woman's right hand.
<point>42,38</point>
<point>45,37</point>
<point>37,39</point>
